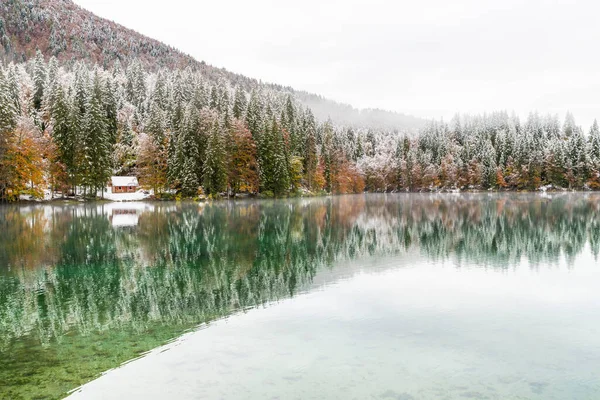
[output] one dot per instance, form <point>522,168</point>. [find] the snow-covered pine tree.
<point>215,166</point>
<point>594,145</point>
<point>39,80</point>
<point>64,133</point>
<point>240,104</point>
<point>96,140</point>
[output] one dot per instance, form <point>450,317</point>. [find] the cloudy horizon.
<point>431,60</point>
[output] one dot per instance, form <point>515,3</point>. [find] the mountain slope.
<point>62,29</point>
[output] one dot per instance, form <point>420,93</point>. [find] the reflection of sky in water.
<point>396,329</point>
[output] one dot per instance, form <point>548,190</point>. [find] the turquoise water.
<point>402,296</point>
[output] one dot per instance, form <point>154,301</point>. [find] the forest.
<point>67,127</point>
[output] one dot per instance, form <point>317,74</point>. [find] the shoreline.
<point>152,199</point>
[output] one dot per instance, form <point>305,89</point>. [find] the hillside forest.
<point>67,127</point>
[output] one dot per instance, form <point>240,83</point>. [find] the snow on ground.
<point>137,196</point>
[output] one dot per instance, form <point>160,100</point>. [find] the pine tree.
<point>109,101</point>
<point>136,84</point>
<point>201,97</point>
<point>274,164</point>
<point>51,82</point>
<point>39,80</point>
<point>189,180</point>
<point>12,80</point>
<point>290,124</point>
<point>594,145</point>
<point>96,140</point>
<point>329,158</point>
<point>254,117</point>
<point>215,167</point>
<point>8,111</point>
<point>156,125</point>
<point>64,133</point>
<point>569,126</point>
<point>281,162</point>
<point>311,158</point>
<point>240,104</point>
<point>8,116</point>
<point>187,158</point>
<point>578,159</point>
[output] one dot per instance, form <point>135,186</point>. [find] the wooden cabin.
<point>123,184</point>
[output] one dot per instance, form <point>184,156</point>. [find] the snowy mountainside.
<point>62,29</point>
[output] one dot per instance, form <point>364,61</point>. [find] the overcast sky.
<point>431,58</point>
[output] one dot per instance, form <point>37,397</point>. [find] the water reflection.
<point>81,270</point>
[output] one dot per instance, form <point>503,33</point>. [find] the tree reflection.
<point>69,270</point>
<point>69,266</point>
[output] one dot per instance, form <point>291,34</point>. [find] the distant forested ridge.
<point>64,127</point>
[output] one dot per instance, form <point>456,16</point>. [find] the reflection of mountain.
<point>67,274</point>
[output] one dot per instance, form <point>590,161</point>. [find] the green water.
<point>402,296</point>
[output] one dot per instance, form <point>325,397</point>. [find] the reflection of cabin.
<point>124,217</point>
<point>124,184</point>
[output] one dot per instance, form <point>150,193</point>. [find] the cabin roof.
<point>124,181</point>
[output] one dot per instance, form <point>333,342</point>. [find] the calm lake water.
<point>405,296</point>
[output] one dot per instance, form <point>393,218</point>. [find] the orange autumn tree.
<point>21,165</point>
<point>243,167</point>
<point>349,179</point>
<point>318,179</point>
<point>152,163</point>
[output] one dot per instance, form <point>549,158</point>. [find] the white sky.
<point>429,58</point>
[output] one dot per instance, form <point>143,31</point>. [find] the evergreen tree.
<point>215,166</point>
<point>578,160</point>
<point>281,162</point>
<point>594,145</point>
<point>189,180</point>
<point>254,117</point>
<point>329,158</point>
<point>240,104</point>
<point>157,122</point>
<point>311,158</point>
<point>136,84</point>
<point>64,133</point>
<point>96,140</point>
<point>187,159</point>
<point>8,111</point>
<point>12,81</point>
<point>39,80</point>
<point>569,126</point>
<point>289,122</point>
<point>109,101</point>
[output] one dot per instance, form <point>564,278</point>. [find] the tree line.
<point>67,128</point>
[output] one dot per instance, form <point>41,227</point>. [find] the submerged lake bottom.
<point>404,296</point>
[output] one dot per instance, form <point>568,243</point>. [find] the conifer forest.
<point>68,128</point>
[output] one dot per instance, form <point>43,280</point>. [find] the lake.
<point>398,296</point>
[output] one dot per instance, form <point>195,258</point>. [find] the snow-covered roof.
<point>124,181</point>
